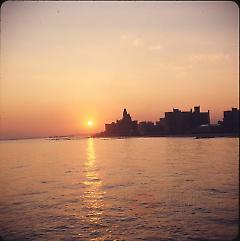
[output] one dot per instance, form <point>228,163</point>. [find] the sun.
<point>90,123</point>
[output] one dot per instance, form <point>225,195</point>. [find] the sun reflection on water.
<point>93,195</point>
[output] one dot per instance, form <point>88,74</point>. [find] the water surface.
<point>131,189</point>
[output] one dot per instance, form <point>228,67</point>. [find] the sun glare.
<point>90,123</point>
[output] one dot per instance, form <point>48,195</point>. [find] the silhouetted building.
<point>230,121</point>
<point>182,122</point>
<point>123,127</point>
<point>146,128</point>
<point>199,118</point>
<point>174,123</point>
<point>209,128</point>
<point>230,124</point>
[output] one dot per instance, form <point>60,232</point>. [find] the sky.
<point>65,63</point>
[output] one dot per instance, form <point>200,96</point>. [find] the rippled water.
<point>131,189</point>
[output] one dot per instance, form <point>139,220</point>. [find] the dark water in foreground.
<point>131,189</point>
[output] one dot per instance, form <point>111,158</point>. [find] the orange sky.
<point>64,63</point>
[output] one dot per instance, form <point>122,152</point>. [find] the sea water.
<point>119,189</point>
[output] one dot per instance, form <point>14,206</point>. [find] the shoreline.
<point>72,137</point>
<point>197,136</point>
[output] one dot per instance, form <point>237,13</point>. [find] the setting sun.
<point>90,123</point>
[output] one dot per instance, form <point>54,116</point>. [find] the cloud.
<point>213,58</point>
<point>132,40</point>
<point>155,47</point>
<point>139,42</point>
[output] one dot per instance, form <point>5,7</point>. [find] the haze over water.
<point>131,189</point>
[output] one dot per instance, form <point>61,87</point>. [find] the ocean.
<point>119,189</point>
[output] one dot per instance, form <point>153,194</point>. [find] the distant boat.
<point>202,137</point>
<point>58,138</point>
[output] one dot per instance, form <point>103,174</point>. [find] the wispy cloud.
<point>213,57</point>
<point>155,47</point>
<point>132,40</point>
<point>140,42</point>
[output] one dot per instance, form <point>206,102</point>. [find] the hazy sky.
<point>63,63</point>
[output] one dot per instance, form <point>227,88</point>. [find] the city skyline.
<point>232,119</point>
<point>174,123</point>
<point>68,67</point>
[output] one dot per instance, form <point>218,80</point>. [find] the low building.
<point>208,128</point>
<point>230,121</point>
<point>182,122</point>
<point>146,128</point>
<point>199,118</point>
